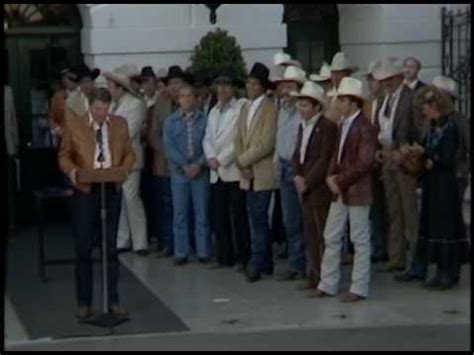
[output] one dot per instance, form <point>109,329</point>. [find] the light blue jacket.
<point>175,141</point>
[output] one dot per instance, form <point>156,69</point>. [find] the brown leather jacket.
<point>321,145</point>
<point>78,146</point>
<point>353,172</point>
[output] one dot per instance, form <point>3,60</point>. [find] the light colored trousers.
<point>132,216</point>
<point>334,232</point>
<point>400,192</point>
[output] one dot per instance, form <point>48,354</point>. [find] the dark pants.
<point>230,223</point>
<point>257,209</point>
<point>85,209</point>
<point>146,193</point>
<point>277,228</point>
<point>162,211</point>
<point>378,218</point>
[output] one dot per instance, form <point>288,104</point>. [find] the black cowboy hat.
<point>228,77</point>
<point>175,71</point>
<point>260,72</point>
<point>83,71</point>
<point>147,72</point>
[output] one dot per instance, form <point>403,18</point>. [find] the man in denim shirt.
<point>288,125</point>
<point>183,134</point>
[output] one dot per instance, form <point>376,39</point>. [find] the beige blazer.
<point>255,147</point>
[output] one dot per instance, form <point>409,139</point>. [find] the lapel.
<point>400,109</point>
<point>243,120</point>
<point>352,131</point>
<point>221,127</point>
<point>314,134</point>
<point>89,137</point>
<point>112,135</point>
<point>255,119</point>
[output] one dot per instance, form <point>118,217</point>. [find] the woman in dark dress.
<point>443,238</point>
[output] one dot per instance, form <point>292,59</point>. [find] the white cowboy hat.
<point>121,76</point>
<point>445,84</point>
<point>276,72</point>
<point>313,91</point>
<point>340,62</point>
<point>373,65</point>
<point>324,73</point>
<point>285,60</point>
<point>292,73</point>
<point>351,87</point>
<point>387,68</point>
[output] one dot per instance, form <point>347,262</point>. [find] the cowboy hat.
<point>122,77</point>
<point>373,65</point>
<point>312,91</point>
<point>387,68</point>
<point>340,62</point>
<point>161,73</point>
<point>276,72</point>
<point>351,87</point>
<point>260,72</point>
<point>445,84</point>
<point>294,74</point>
<point>284,59</point>
<point>71,73</point>
<point>324,74</point>
<point>83,71</point>
<point>227,77</point>
<point>175,71</point>
<point>147,72</point>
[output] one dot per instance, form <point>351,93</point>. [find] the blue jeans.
<point>162,217</point>
<point>257,209</point>
<point>292,217</point>
<point>191,192</point>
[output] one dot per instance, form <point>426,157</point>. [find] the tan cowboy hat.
<point>324,73</point>
<point>388,68</point>
<point>313,91</point>
<point>122,76</point>
<point>373,65</point>
<point>292,73</point>
<point>351,87</point>
<point>445,84</point>
<point>340,62</point>
<point>285,60</point>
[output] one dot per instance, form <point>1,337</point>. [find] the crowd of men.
<point>205,158</point>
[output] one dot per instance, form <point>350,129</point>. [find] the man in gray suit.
<point>396,127</point>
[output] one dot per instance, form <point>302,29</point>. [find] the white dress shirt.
<point>105,139</point>
<point>413,84</point>
<point>386,123</point>
<point>253,108</point>
<point>346,125</point>
<point>307,127</point>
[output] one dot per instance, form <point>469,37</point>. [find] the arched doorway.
<point>313,33</point>
<point>39,40</point>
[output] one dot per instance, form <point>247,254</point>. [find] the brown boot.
<point>118,311</point>
<point>84,312</point>
<point>350,297</point>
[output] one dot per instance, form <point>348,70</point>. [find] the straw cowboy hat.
<point>313,91</point>
<point>351,87</point>
<point>122,76</point>
<point>285,60</point>
<point>340,62</point>
<point>373,65</point>
<point>388,68</point>
<point>324,73</point>
<point>445,84</point>
<point>292,73</point>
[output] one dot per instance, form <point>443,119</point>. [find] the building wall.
<point>164,35</point>
<point>393,30</point>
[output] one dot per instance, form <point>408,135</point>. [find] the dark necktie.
<point>100,141</point>
<point>388,107</point>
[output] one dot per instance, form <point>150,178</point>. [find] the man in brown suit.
<point>396,127</point>
<point>317,137</point>
<point>96,141</point>
<point>349,179</point>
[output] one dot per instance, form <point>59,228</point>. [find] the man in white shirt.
<point>229,211</point>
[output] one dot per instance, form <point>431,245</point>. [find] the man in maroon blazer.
<point>349,179</point>
<point>316,142</point>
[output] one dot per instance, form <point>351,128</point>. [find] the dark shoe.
<point>406,277</point>
<point>290,275</point>
<point>180,261</point>
<point>118,311</point>
<point>240,268</point>
<point>307,286</point>
<point>350,297</point>
<point>268,272</point>
<point>84,313</point>
<point>317,293</point>
<point>204,260</point>
<point>433,283</point>
<point>123,250</point>
<point>391,268</point>
<point>165,253</point>
<point>253,275</point>
<point>142,252</point>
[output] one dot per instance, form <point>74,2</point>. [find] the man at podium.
<point>98,141</point>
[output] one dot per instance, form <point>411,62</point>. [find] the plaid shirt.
<point>189,120</point>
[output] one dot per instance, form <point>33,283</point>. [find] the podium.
<point>103,176</point>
